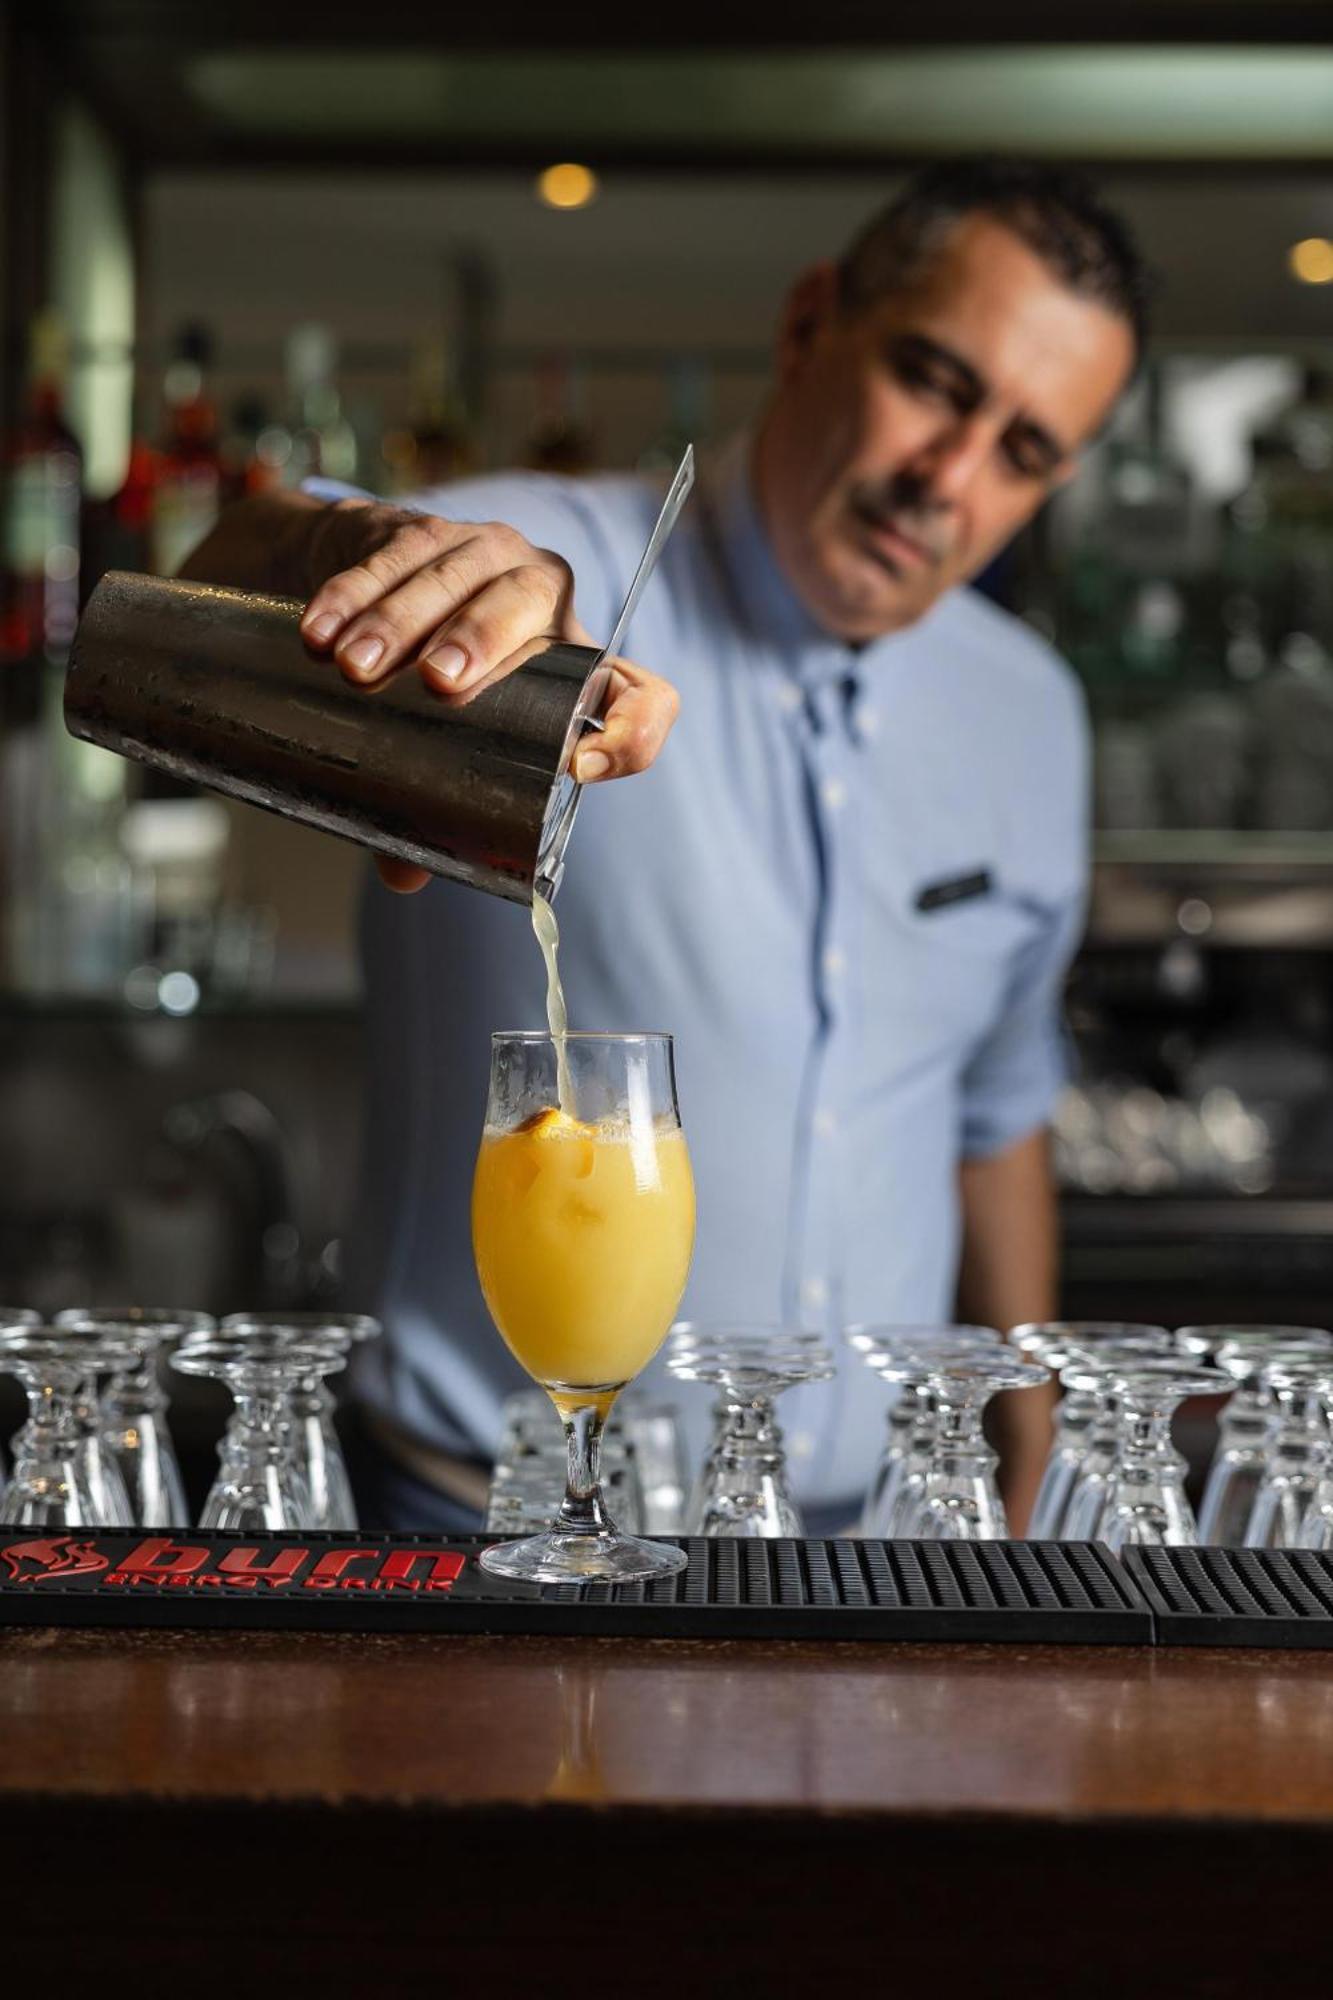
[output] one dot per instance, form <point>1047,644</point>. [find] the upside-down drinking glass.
<point>582,1227</point>
<point>957,1499</point>
<point>1053,1344</point>
<point>1144,1499</point>
<point>54,1482</point>
<point>1298,1449</point>
<point>259,1488</point>
<point>314,1437</point>
<point>1237,1469</point>
<point>742,1485</point>
<point>911,1415</point>
<point>133,1406</point>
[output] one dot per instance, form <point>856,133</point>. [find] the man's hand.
<point>389,590</point>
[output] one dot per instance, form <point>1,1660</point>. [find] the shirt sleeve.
<point>551,512</point>
<point>1013,1080</point>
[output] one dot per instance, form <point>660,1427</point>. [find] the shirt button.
<point>834,793</point>
<point>825,1124</point>
<point>789,700</point>
<point>801,1444</point>
<point>814,1292</point>
<point>868,724</point>
<point>835,962</point>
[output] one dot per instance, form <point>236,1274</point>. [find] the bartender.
<point>851,891</point>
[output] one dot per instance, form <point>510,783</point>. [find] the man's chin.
<point>863,600</point>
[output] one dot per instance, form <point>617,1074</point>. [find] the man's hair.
<point>1056,211</point>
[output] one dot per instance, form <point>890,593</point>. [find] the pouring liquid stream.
<point>557,1020</point>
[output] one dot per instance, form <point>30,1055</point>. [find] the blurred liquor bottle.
<point>436,445</point>
<point>188,489</point>
<point>256,452</point>
<point>561,440</point>
<point>689,396</point>
<point>42,476</point>
<point>323,442</point>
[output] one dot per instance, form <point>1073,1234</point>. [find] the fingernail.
<point>448,662</point>
<point>591,764</point>
<point>362,654</point>
<point>322,629</point>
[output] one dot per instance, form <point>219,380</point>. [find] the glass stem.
<point>581,1510</point>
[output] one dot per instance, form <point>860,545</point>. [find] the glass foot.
<point>601,1558</point>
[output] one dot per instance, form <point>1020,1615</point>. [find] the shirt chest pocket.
<point>945,969</point>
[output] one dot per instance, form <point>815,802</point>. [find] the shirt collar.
<point>770,606</point>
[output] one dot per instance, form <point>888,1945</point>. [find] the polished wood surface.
<point>1063,1732</point>
<point>987,1820</point>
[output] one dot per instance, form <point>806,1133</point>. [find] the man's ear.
<point>808,307</point>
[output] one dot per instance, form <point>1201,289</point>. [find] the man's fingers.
<point>387,545</point>
<point>493,625</point>
<point>371,645</point>
<point>401,876</point>
<point>638,721</point>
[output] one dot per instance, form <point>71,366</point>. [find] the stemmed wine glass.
<point>132,1412</point>
<point>1056,1343</point>
<point>954,1495</point>
<point>1144,1501</point>
<point>314,1438</point>
<point>911,1415</point>
<point>582,1228</point>
<point>1238,1464</point>
<point>1299,1448</point>
<point>60,1479</point>
<point>259,1488</point>
<point>742,1485</point>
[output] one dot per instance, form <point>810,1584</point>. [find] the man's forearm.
<point>1008,1275</point>
<point>263,543</point>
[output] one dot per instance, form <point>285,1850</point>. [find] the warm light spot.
<point>567,186</point>
<point>1312,260</point>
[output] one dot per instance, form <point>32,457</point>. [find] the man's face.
<point>908,440</point>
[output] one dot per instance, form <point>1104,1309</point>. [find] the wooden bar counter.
<point>352,1814</point>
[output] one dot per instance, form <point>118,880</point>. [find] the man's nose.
<point>948,462</point>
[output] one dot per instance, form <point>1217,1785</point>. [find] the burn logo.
<point>230,1564</point>
<point>55,1558</point>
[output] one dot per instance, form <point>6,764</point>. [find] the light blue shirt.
<point>758,893</point>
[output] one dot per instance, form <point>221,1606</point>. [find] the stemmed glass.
<point>911,1415</point>
<point>1054,1344</point>
<point>1144,1501</point>
<point>314,1438</point>
<point>742,1485</point>
<point>12,1320</point>
<point>259,1488</point>
<point>1237,1468</point>
<point>57,1480</point>
<point>1301,1385</point>
<point>956,1497</point>
<point>132,1410</point>
<point>582,1227</point>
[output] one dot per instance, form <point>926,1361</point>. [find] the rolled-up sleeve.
<point>1013,1080</point>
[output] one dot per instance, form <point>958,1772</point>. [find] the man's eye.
<point>1025,458</point>
<point>921,376</point>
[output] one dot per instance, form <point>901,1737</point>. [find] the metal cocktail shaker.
<point>216,686</point>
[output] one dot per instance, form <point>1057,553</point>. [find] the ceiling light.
<point>567,186</point>
<point>1311,260</point>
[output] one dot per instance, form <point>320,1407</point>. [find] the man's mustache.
<point>903,507</point>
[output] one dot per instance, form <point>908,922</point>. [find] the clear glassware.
<point>958,1498</point>
<point>105,1351</point>
<point>1301,1386</point>
<point>583,1228</point>
<point>1053,1343</point>
<point>12,1320</point>
<point>910,1416</point>
<point>1144,1501</point>
<point>132,1419</point>
<point>742,1485</point>
<point>259,1488</point>
<point>52,1482</point>
<point>1092,1372</point>
<point>314,1438</point>
<point>1237,1467</point>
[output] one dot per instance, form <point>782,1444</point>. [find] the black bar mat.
<point>836,1589</point>
<point>1236,1597</point>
